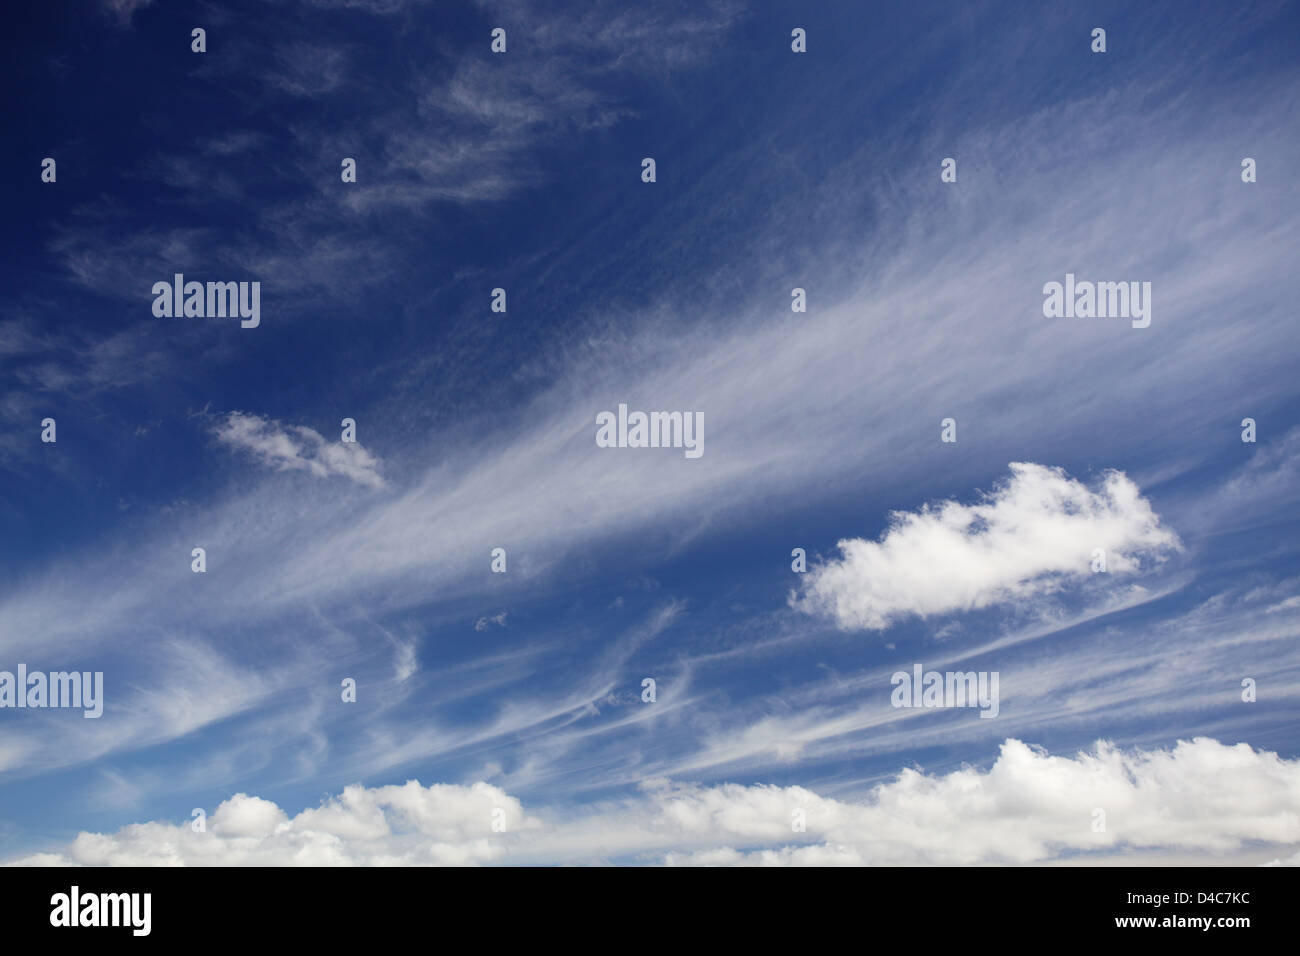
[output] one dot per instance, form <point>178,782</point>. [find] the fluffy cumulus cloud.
<point>298,448</point>
<point>1037,531</point>
<point>394,825</point>
<point>1200,799</point>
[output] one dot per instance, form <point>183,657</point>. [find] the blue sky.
<point>522,691</point>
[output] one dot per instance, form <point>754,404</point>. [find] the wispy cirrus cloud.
<point>123,10</point>
<point>307,69</point>
<point>299,448</point>
<point>458,129</point>
<point>483,623</point>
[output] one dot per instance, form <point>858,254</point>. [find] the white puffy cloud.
<point>245,816</point>
<point>1200,799</point>
<point>393,825</point>
<point>296,447</point>
<point>1033,533</point>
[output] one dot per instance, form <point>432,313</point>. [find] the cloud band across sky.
<point>1199,797</point>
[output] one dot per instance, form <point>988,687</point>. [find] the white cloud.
<point>394,825</point>
<point>1032,534</point>
<point>1290,861</point>
<point>245,816</point>
<point>1201,798</point>
<point>296,447</point>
